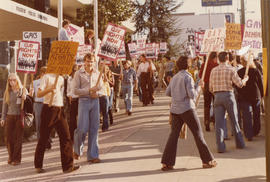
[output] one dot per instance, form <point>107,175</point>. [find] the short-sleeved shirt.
<point>36,84</point>
<point>49,79</point>
<point>129,76</point>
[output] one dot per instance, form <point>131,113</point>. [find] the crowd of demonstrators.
<point>207,95</point>
<point>181,89</point>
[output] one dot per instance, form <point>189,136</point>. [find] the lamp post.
<point>265,15</point>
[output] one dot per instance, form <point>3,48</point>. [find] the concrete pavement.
<point>131,151</point>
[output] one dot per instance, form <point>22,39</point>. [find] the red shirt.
<point>208,70</point>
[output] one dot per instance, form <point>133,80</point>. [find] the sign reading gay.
<point>62,57</point>
<point>27,56</point>
<point>233,36</point>
<point>213,40</point>
<point>111,42</point>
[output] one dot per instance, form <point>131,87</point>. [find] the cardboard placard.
<point>213,40</point>
<point>111,42</point>
<point>122,52</point>
<point>141,43</point>
<point>233,39</point>
<point>62,57</point>
<point>83,50</point>
<point>34,37</point>
<point>132,49</point>
<point>27,59</point>
<point>198,42</point>
<point>150,51</point>
<point>163,47</point>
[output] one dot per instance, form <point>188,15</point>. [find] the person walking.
<point>221,82</point>
<point>181,89</point>
<point>207,95</point>
<point>249,98</point>
<point>116,70</point>
<point>11,118</point>
<point>86,87</point>
<point>52,116</point>
<point>129,83</point>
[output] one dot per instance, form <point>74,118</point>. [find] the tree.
<point>154,18</point>
<point>114,11</point>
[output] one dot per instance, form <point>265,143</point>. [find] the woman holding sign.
<point>11,118</point>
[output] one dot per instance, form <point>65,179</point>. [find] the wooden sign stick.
<point>24,85</point>
<point>248,63</point>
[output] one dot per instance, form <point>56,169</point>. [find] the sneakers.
<point>74,168</point>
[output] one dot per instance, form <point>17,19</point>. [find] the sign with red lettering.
<point>150,51</point>
<point>141,43</point>
<point>111,42</point>
<point>132,49</point>
<point>213,40</point>
<point>35,37</point>
<point>253,36</point>
<point>27,59</point>
<point>198,42</point>
<point>163,47</point>
<point>122,52</point>
<point>83,50</point>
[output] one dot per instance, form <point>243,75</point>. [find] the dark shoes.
<point>40,170</point>
<point>96,160</point>
<point>129,113</point>
<point>74,168</point>
<point>166,167</point>
<point>210,164</point>
<point>207,127</point>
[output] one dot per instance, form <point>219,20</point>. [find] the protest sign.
<point>150,51</point>
<point>122,52</point>
<point>76,33</point>
<point>198,42</point>
<point>156,46</point>
<point>27,57</point>
<point>132,49</point>
<point>213,40</point>
<point>83,50</point>
<point>62,57</point>
<point>111,42</point>
<point>233,39</point>
<point>34,37</point>
<point>163,47</point>
<point>141,43</point>
<point>253,36</point>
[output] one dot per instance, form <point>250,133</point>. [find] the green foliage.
<point>155,18</point>
<point>113,11</point>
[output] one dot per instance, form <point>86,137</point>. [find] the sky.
<point>189,6</point>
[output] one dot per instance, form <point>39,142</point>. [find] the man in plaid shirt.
<point>221,83</point>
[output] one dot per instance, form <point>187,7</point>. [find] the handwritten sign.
<point>198,42</point>
<point>83,50</point>
<point>233,36</point>
<point>132,49</point>
<point>62,57</point>
<point>163,47</point>
<point>141,43</point>
<point>34,37</point>
<point>150,51</point>
<point>27,56</point>
<point>111,42</point>
<point>213,40</point>
<point>253,36</point>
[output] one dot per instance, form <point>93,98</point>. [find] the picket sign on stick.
<point>24,85</point>
<point>248,63</point>
<point>55,83</point>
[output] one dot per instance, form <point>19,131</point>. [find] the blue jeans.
<point>251,118</point>
<point>88,122</point>
<point>225,101</point>
<point>37,110</point>
<point>127,91</point>
<point>104,108</point>
<point>111,99</point>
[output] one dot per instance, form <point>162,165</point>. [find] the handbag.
<point>28,119</point>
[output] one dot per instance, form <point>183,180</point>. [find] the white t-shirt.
<point>48,79</point>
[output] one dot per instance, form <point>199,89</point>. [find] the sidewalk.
<point>131,151</point>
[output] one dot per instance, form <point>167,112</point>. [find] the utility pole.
<point>96,23</point>
<point>60,14</point>
<point>265,15</point>
<point>242,21</point>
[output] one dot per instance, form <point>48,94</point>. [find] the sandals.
<point>210,164</point>
<point>166,167</point>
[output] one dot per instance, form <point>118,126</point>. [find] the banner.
<point>163,47</point>
<point>150,51</point>
<point>111,42</point>
<point>253,36</point>
<point>216,2</point>
<point>233,39</point>
<point>213,40</point>
<point>27,59</point>
<point>34,37</point>
<point>132,47</point>
<point>62,57</point>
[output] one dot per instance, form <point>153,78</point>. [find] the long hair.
<point>244,62</point>
<point>8,87</point>
<point>212,56</point>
